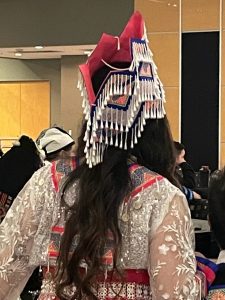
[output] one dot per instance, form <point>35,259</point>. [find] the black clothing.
<point>220,275</point>
<point>16,168</point>
<point>33,286</point>
<point>186,175</point>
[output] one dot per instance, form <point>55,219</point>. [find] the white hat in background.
<point>54,140</point>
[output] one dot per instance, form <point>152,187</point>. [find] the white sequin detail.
<point>157,236</point>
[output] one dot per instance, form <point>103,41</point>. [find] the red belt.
<point>138,276</point>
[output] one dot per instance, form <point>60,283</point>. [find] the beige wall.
<point>200,15</point>
<point>36,70</point>
<point>162,24</point>
<point>162,21</point>
<point>24,109</point>
<point>71,110</point>
<point>60,22</point>
<point>62,76</point>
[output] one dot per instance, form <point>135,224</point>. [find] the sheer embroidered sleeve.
<point>17,232</point>
<point>172,263</point>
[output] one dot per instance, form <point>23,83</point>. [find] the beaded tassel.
<point>123,104</point>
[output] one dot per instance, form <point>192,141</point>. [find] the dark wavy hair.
<point>100,192</point>
<point>178,147</point>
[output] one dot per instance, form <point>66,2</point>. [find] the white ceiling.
<point>48,52</point>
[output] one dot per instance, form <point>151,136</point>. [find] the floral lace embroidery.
<point>156,235</point>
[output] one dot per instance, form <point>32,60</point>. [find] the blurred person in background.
<point>16,168</point>
<point>185,173</point>
<point>56,143</point>
<point>57,148</point>
<point>217,223</point>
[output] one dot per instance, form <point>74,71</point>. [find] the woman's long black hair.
<point>100,192</point>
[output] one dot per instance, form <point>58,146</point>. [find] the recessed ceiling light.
<point>18,54</point>
<point>39,47</point>
<point>174,5</point>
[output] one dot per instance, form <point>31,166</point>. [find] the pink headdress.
<point>126,98</point>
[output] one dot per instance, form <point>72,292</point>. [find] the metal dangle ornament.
<point>48,286</point>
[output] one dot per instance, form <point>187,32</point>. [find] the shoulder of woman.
<point>39,187</point>
<point>44,173</point>
<point>144,178</point>
<point>157,193</point>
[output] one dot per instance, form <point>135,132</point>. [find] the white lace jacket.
<point>156,231</point>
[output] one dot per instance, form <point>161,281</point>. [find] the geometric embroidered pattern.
<point>123,291</point>
<point>5,203</point>
<point>216,294</point>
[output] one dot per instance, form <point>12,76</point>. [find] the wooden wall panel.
<point>200,15</point>
<point>165,48</point>
<point>222,155</point>
<point>172,110</point>
<point>223,14</point>
<point>9,109</point>
<point>159,16</point>
<point>7,144</point>
<point>71,100</point>
<point>35,107</point>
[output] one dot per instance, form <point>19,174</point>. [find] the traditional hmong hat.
<point>54,140</point>
<point>126,97</point>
